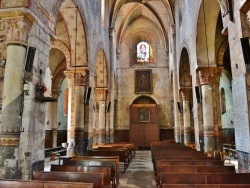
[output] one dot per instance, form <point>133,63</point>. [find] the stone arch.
<point>64,48</point>
<point>206,32</point>
<point>185,79</point>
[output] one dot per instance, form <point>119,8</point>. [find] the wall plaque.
<point>240,110</point>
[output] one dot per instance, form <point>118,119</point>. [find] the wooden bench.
<point>42,184</point>
<point>191,162</point>
<point>113,163</point>
<point>99,169</point>
<point>123,155</point>
<point>192,169</point>
<point>87,177</point>
<point>234,178</point>
<point>205,186</point>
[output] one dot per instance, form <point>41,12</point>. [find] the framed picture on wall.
<point>143,81</point>
<point>143,114</point>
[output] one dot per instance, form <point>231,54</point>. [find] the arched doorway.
<point>144,121</point>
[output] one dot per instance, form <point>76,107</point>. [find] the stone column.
<point>217,110</point>
<point>77,81</point>
<point>112,85</point>
<point>186,92</point>
<point>206,76</point>
<point>101,94</point>
<point>16,30</point>
<point>175,91</point>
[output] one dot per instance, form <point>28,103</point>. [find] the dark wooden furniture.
<point>42,184</point>
<point>87,177</point>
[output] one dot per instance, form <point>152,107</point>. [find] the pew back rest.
<point>20,184</point>
<point>42,184</point>
<point>96,178</point>
<point>99,169</point>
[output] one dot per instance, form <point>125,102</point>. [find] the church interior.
<point>165,76</point>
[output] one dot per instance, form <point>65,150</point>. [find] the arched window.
<point>223,101</point>
<point>143,52</point>
<point>102,12</point>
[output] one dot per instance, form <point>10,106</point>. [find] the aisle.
<point>139,173</point>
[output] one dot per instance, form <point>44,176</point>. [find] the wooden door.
<point>143,130</point>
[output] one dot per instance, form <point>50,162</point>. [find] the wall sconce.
<point>179,107</point>
<point>3,63</point>
<point>108,107</point>
<point>26,88</point>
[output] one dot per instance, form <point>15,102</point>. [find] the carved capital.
<point>9,141</point>
<point>186,93</point>
<point>77,77</point>
<point>16,29</point>
<point>100,93</point>
<point>206,76</point>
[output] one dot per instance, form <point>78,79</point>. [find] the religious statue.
<point>224,7</point>
<point>70,149</point>
<point>48,82</point>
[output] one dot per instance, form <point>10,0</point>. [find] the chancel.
<point>124,90</point>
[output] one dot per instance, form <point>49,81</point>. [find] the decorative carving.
<point>16,29</point>
<point>14,3</point>
<point>206,76</point>
<point>9,141</point>
<point>186,93</point>
<point>101,93</point>
<point>80,80</point>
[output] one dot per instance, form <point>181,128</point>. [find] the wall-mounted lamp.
<point>108,107</point>
<point>179,107</point>
<point>25,88</point>
<point>198,94</point>
<point>3,63</point>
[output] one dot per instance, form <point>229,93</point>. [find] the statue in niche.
<point>48,82</point>
<point>224,7</point>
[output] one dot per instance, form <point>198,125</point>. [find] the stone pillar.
<point>175,91</point>
<point>217,110</point>
<point>186,114</point>
<point>101,94</point>
<point>206,76</point>
<point>112,85</point>
<point>77,81</point>
<point>16,30</point>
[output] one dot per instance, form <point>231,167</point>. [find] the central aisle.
<point>140,172</point>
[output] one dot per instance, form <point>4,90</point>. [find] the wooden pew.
<point>123,155</point>
<point>192,169</point>
<point>99,169</point>
<point>191,162</point>
<point>205,186</point>
<point>42,184</point>
<point>113,163</point>
<point>234,178</point>
<point>96,178</point>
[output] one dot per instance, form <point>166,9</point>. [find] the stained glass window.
<point>143,52</point>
